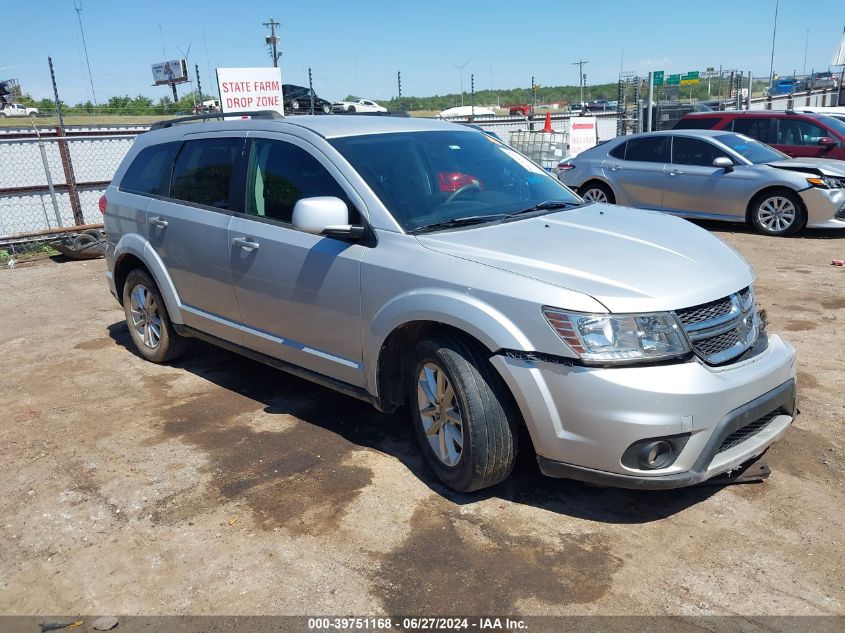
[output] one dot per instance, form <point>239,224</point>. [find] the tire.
<point>327,109</point>
<point>351,110</point>
<point>476,438</point>
<point>169,345</point>
<point>777,212</point>
<point>597,192</point>
<point>2,115</point>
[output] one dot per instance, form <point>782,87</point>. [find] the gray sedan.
<point>713,175</point>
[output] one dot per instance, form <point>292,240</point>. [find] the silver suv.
<point>422,263</point>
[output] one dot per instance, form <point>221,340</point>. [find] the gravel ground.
<point>220,486</point>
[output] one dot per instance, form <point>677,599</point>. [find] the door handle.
<point>675,172</point>
<point>615,168</point>
<point>159,222</point>
<point>245,243</point>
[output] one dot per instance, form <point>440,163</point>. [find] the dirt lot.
<point>220,486</point>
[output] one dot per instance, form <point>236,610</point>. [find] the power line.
<point>78,9</point>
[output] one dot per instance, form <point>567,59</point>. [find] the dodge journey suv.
<point>422,263</point>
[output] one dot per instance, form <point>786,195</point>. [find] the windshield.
<point>753,151</point>
<point>426,178</point>
<point>834,123</point>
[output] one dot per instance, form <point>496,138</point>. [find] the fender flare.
<point>464,312</point>
<point>134,244</point>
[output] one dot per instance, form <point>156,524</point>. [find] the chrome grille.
<point>721,330</point>
<point>705,312</point>
<point>749,430</point>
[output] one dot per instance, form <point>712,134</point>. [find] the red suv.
<point>795,134</point>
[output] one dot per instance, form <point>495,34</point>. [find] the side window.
<point>650,149</point>
<point>150,171</point>
<point>756,128</point>
<point>799,132</point>
<point>280,174</point>
<point>618,151</point>
<point>693,151</point>
<point>203,171</point>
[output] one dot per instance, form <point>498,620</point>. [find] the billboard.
<point>174,71</point>
<point>250,89</point>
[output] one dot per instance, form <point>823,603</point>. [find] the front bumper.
<point>582,419</point>
<point>825,207</point>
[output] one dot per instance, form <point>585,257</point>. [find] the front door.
<point>694,187</point>
<point>189,232</point>
<point>799,138</point>
<point>299,294</point>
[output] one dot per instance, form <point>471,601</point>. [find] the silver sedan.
<point>713,175</point>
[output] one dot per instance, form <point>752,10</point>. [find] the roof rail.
<point>259,114</point>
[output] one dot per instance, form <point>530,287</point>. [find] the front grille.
<point>748,431</point>
<point>716,344</point>
<point>723,329</point>
<point>705,311</point>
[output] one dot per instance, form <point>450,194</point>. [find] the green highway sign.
<point>673,80</point>
<point>690,78</point>
<point>658,77</point>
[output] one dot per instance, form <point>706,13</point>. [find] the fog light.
<point>655,452</point>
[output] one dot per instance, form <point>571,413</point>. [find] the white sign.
<point>250,89</point>
<point>583,134</point>
<point>173,71</point>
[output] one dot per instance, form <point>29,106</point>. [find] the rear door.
<point>799,138</point>
<point>189,231</point>
<point>299,294</point>
<point>760,128</point>
<point>638,179</point>
<point>694,187</point>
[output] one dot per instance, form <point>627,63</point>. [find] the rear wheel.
<point>462,414</point>
<point>146,316</point>
<point>778,213</point>
<point>597,192</point>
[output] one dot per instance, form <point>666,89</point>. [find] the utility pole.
<point>581,76</point>
<point>472,96</point>
<point>199,85</point>
<point>461,75</point>
<point>85,47</point>
<point>806,41</point>
<point>399,84</point>
<point>772,62</point>
<point>311,90</point>
<point>273,41</point>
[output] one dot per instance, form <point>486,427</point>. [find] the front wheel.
<point>778,213</point>
<point>462,414</point>
<point>149,324</point>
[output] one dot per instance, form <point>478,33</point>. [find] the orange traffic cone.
<point>548,126</point>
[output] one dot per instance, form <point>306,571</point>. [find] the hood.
<point>628,259</point>
<point>817,166</point>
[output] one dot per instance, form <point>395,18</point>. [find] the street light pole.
<point>580,63</point>
<point>461,75</point>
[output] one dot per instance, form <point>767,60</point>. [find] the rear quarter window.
<point>149,173</point>
<point>698,123</point>
<point>618,151</point>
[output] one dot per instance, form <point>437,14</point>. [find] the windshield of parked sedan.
<point>752,150</point>
<point>426,178</point>
<point>834,123</point>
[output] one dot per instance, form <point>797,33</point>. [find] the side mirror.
<point>325,215</point>
<point>827,141</point>
<point>723,162</point>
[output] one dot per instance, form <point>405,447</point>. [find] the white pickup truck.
<point>17,109</point>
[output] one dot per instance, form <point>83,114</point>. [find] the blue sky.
<point>357,47</point>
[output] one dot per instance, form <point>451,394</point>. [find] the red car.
<point>795,134</point>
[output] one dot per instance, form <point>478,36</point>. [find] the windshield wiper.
<point>548,205</point>
<point>455,222</point>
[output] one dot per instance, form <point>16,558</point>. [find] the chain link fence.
<point>55,181</point>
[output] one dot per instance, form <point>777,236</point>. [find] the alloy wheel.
<point>440,414</point>
<point>777,213</point>
<point>594,195</point>
<point>145,317</point>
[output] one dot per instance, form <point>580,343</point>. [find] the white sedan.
<point>361,105</point>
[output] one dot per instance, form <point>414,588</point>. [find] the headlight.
<point>827,182</point>
<point>619,338</point>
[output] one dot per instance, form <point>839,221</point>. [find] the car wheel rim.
<point>777,213</point>
<point>146,320</point>
<point>595,195</point>
<point>440,414</point>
